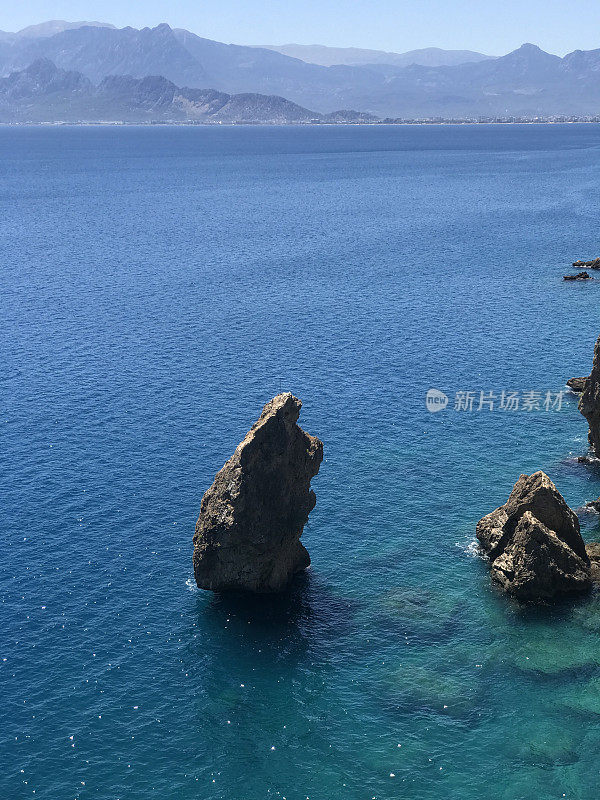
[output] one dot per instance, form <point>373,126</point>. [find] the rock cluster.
<point>594,263</point>
<point>248,533</point>
<point>533,542</point>
<point>589,403</point>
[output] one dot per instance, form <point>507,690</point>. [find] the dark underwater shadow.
<point>308,615</point>
<point>278,608</point>
<point>561,609</point>
<point>576,464</point>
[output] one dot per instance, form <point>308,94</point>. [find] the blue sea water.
<point>158,286</point>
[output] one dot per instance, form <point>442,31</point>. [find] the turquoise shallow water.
<point>158,286</point>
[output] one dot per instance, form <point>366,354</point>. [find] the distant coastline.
<point>295,124</point>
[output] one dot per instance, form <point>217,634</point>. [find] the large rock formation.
<point>534,543</point>
<point>589,403</point>
<point>251,519</point>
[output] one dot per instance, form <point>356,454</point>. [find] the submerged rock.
<point>417,687</point>
<point>429,614</point>
<point>534,543</point>
<point>577,384</point>
<point>585,699</point>
<point>589,403</point>
<point>591,460</point>
<point>555,656</point>
<point>251,519</point>
<point>541,742</point>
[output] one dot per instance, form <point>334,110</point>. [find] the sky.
<point>494,27</point>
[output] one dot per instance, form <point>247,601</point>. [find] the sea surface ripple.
<point>158,286</point>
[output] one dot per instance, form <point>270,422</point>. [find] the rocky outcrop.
<point>577,384</point>
<point>251,519</point>
<point>581,276</point>
<point>594,264</point>
<point>593,551</point>
<point>534,544</point>
<point>589,403</point>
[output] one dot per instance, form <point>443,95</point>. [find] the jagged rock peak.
<point>534,543</point>
<point>248,533</point>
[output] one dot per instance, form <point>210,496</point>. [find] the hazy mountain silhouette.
<point>356,56</point>
<point>45,93</point>
<point>54,26</point>
<point>526,82</point>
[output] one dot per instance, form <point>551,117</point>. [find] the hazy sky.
<point>491,26</point>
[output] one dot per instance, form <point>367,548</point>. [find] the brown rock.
<point>535,493</point>
<point>537,565</point>
<point>534,543</point>
<point>581,276</point>
<point>588,459</point>
<point>589,403</point>
<point>593,551</point>
<point>251,519</point>
<point>577,384</point>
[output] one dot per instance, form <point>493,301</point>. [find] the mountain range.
<point>44,93</point>
<point>527,82</point>
<point>357,56</point>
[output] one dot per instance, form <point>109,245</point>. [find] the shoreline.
<point>377,124</point>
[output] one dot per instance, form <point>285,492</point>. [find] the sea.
<point>158,286</point>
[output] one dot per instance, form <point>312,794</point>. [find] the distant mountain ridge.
<point>51,28</point>
<point>57,26</point>
<point>45,93</point>
<point>527,82</point>
<point>357,56</point>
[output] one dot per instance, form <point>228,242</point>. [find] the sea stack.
<point>248,533</point>
<point>533,542</point>
<point>589,403</point>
